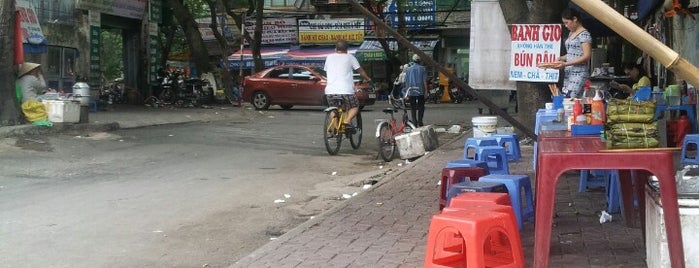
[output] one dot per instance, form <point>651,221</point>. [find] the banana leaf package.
<point>631,135</point>
<point>631,142</point>
<point>629,111</point>
<point>633,129</point>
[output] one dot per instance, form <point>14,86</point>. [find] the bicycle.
<point>387,130</point>
<point>334,128</point>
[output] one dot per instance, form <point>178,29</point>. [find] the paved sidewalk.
<point>387,226</point>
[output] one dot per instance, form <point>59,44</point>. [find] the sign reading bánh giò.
<point>532,45</point>
<point>329,31</point>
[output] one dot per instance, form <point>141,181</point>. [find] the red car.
<point>289,85</point>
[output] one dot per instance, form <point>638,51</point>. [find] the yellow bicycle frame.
<point>338,125</point>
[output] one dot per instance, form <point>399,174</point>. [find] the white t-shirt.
<point>339,67</point>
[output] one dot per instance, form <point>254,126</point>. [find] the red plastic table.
<point>561,154</point>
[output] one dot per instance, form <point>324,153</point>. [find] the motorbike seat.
<point>389,110</point>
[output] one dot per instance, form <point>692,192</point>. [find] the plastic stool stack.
<point>474,186</point>
<point>469,198</point>
<point>516,184</point>
<point>511,143</point>
<point>474,143</point>
<point>496,157</point>
<point>463,163</point>
<point>475,235</point>
<point>690,139</point>
<point>451,176</point>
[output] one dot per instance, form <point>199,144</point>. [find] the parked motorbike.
<point>112,92</point>
<point>435,93</point>
<point>457,94</point>
<point>180,91</point>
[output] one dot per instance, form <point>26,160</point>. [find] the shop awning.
<point>270,57</point>
<point>371,50</point>
<point>313,56</point>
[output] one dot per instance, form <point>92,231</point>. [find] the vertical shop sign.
<point>156,11</point>
<point>153,53</point>
<point>95,61</point>
<point>533,45</point>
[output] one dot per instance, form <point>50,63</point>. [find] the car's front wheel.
<point>260,100</point>
<point>286,106</point>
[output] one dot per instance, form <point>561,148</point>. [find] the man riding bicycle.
<point>340,83</point>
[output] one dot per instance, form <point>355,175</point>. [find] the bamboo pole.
<point>641,39</point>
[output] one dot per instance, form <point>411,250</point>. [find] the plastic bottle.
<point>598,116</point>
<point>683,128</point>
<point>577,108</point>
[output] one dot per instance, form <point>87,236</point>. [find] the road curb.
<point>22,130</point>
<point>322,216</point>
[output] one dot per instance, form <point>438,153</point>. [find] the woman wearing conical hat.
<point>31,80</point>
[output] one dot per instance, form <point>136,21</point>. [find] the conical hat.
<point>27,67</point>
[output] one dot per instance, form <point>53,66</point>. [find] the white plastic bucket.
<point>484,126</point>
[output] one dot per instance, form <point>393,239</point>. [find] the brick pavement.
<point>387,226</point>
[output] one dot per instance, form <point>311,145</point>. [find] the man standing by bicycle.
<point>340,83</point>
<point>416,84</point>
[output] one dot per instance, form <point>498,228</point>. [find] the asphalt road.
<point>190,195</point>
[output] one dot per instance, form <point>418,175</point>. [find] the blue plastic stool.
<point>690,139</point>
<point>496,157</point>
<point>466,163</point>
<point>474,186</point>
<point>93,106</point>
<point>613,192</point>
<point>592,178</point>
<point>478,142</point>
<point>515,185</point>
<point>511,143</point>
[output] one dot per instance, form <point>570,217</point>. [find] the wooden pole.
<point>452,77</point>
<point>641,39</point>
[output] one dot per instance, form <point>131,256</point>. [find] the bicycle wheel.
<point>356,137</point>
<point>330,136</point>
<point>387,146</point>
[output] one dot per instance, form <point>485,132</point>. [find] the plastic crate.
<point>586,129</point>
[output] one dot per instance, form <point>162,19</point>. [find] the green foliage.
<point>111,54</point>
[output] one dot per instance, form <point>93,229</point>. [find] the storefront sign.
<point>329,31</point>
<point>156,11</point>
<point>275,30</point>
<point>532,45</point>
<point>31,30</point>
<point>95,70</point>
<point>371,55</point>
<point>124,8</point>
<point>248,63</point>
<point>418,13</point>
<point>153,53</point>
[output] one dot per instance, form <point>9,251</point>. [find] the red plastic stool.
<point>451,176</point>
<point>467,199</point>
<point>474,238</point>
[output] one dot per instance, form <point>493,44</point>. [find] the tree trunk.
<point>199,54</point>
<point>531,96</point>
<point>226,77</point>
<point>9,105</point>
